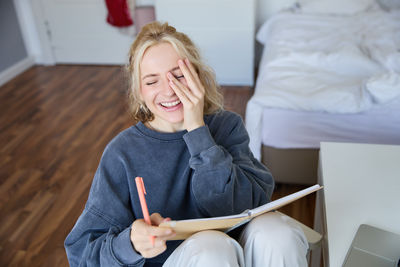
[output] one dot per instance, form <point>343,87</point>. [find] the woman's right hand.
<point>141,234</point>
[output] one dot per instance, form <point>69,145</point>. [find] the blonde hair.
<point>155,33</point>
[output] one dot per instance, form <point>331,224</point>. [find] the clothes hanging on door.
<point>119,13</point>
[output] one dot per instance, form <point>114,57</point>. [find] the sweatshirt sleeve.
<point>227,179</point>
<point>101,236</point>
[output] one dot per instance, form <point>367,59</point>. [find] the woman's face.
<point>155,91</point>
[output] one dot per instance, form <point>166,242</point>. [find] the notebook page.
<point>284,200</point>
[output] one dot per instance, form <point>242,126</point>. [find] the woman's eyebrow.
<point>149,75</point>
<point>174,69</point>
<point>153,74</point>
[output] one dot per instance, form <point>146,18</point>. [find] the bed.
<point>330,71</point>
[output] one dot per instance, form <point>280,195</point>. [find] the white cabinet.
<point>223,30</point>
<point>361,186</point>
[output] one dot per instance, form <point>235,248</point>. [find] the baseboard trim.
<point>16,69</point>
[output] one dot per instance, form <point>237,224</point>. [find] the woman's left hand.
<point>191,96</point>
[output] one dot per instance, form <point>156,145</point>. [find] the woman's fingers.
<point>156,219</point>
<point>195,88</point>
<point>184,94</point>
<point>186,72</point>
<point>143,242</point>
<point>141,231</point>
<point>194,73</point>
<point>157,231</point>
<point>191,77</point>
<point>141,236</point>
<point>191,96</point>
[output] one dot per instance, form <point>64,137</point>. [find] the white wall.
<point>266,8</point>
<point>223,30</point>
<point>37,48</point>
<point>145,2</point>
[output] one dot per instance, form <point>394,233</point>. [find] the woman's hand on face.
<point>191,96</point>
<point>141,234</point>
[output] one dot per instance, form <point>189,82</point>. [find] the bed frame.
<point>293,166</point>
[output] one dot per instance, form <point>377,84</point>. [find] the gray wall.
<point>12,47</point>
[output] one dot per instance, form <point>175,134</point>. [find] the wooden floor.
<point>55,122</point>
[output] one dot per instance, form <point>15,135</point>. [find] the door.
<point>78,33</point>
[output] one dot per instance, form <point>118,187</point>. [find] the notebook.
<point>185,228</point>
<point>373,247</point>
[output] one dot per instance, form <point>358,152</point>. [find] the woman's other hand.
<point>141,234</point>
<point>192,95</point>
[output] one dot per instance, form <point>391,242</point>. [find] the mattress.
<point>283,128</point>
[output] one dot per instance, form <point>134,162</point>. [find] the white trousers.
<point>271,239</point>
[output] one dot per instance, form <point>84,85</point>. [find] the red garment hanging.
<point>118,13</point>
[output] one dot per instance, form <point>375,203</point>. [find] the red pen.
<point>142,192</point>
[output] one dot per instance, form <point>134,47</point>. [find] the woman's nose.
<point>167,90</point>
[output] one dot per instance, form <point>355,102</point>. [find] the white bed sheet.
<point>282,128</point>
<point>337,64</point>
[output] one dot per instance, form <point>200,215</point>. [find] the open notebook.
<point>185,228</point>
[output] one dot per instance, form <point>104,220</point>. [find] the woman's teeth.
<point>170,104</point>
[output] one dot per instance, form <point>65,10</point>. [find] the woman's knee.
<point>277,230</point>
<point>208,248</point>
<point>273,239</point>
<point>207,240</point>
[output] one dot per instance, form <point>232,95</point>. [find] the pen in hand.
<point>142,192</point>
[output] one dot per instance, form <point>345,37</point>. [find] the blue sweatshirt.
<point>206,172</point>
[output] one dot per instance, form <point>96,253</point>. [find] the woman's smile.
<point>170,104</point>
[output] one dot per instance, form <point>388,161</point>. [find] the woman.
<point>195,162</point>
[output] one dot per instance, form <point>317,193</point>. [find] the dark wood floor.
<point>55,122</point>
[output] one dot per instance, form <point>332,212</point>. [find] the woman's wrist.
<point>194,126</point>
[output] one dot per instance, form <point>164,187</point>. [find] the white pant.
<point>268,240</point>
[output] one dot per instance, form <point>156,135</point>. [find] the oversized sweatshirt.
<point>206,172</point>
